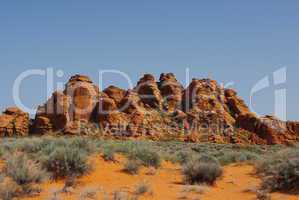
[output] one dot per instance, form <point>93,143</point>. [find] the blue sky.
<point>239,41</point>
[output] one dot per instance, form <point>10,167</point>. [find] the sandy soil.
<point>166,183</point>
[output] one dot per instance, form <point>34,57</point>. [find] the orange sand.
<point>166,184</point>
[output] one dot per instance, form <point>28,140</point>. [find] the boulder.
<point>42,125</point>
<point>148,91</point>
<point>115,93</point>
<point>131,103</point>
<point>171,91</point>
<point>84,97</point>
<point>235,104</point>
<point>106,111</point>
<point>202,94</point>
<point>204,97</point>
<point>53,115</point>
<point>76,103</point>
<point>293,127</point>
<point>14,122</point>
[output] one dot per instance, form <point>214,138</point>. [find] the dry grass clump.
<point>280,171</point>
<point>147,157</point>
<point>20,176</point>
<point>24,170</point>
<point>202,170</point>
<point>65,161</point>
<point>132,167</point>
<point>109,154</point>
<point>143,188</point>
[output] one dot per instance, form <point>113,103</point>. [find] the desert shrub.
<point>204,169</point>
<point>65,161</point>
<point>23,170</point>
<point>146,157</point>
<point>2,151</point>
<point>109,154</point>
<point>285,177</point>
<point>183,156</point>
<point>280,171</point>
<point>28,145</point>
<point>229,157</point>
<point>9,189</point>
<point>84,144</point>
<point>142,188</point>
<point>132,167</point>
<point>268,164</point>
<point>123,147</point>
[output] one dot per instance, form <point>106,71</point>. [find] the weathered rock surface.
<point>53,115</point>
<point>204,102</point>
<point>84,97</point>
<point>14,122</point>
<point>269,128</point>
<point>235,104</point>
<point>117,94</point>
<point>148,90</point>
<point>171,91</point>
<point>76,103</point>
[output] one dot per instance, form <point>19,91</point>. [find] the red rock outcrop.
<point>53,115</point>
<point>235,104</point>
<point>107,113</point>
<point>14,122</point>
<point>269,128</point>
<point>117,94</point>
<point>171,91</point>
<point>204,111</point>
<point>204,102</point>
<point>148,91</point>
<point>76,103</point>
<point>84,97</point>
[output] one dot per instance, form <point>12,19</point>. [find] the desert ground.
<point>89,168</point>
<point>238,182</point>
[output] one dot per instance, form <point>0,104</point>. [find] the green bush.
<point>229,157</point>
<point>183,157</point>
<point>147,157</point>
<point>28,145</point>
<point>132,167</point>
<point>285,178</point>
<point>65,161</point>
<point>280,171</point>
<point>142,188</point>
<point>84,144</point>
<point>23,170</point>
<point>109,154</point>
<point>204,169</point>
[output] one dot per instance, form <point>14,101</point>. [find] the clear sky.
<point>239,41</point>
